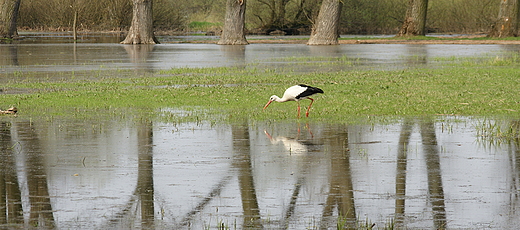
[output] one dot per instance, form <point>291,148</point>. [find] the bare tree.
<point>415,21</point>
<point>141,29</point>
<point>276,13</point>
<point>8,17</point>
<point>506,24</point>
<point>279,15</point>
<point>325,30</point>
<point>234,25</point>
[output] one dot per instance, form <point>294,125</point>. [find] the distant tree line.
<point>496,17</point>
<point>262,16</point>
<point>96,15</point>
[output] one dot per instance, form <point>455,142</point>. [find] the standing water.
<point>414,173</point>
<point>411,173</point>
<point>62,55</point>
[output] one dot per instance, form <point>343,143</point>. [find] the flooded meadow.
<point>117,172</point>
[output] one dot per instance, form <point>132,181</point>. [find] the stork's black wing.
<point>309,91</point>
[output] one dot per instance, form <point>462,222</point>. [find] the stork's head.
<point>273,98</point>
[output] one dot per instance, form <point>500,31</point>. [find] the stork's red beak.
<point>267,104</point>
<point>268,135</point>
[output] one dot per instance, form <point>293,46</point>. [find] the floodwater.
<point>413,173</point>
<point>54,54</point>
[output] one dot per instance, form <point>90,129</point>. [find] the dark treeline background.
<point>262,16</point>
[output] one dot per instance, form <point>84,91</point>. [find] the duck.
<point>12,110</point>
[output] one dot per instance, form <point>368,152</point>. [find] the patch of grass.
<point>493,38</point>
<point>498,131</point>
<point>203,26</point>
<point>510,59</point>
<point>304,60</point>
<point>234,93</point>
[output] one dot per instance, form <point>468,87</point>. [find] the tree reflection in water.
<point>41,213</point>
<point>10,197</point>
<point>145,189</point>
<point>433,166</point>
<point>341,191</point>
<point>435,188</point>
<point>301,149</point>
<point>515,162</point>
<point>143,196</point>
<point>400,177</point>
<point>242,162</point>
<point>282,181</point>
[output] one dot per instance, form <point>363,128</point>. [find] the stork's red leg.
<point>309,128</point>
<point>298,108</point>
<point>308,109</point>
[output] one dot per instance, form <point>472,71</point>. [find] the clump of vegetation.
<point>204,26</point>
<point>498,131</point>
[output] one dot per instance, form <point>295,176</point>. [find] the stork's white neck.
<point>278,99</point>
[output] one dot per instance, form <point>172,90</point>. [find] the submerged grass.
<point>498,131</point>
<point>234,93</point>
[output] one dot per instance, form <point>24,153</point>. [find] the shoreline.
<point>470,39</point>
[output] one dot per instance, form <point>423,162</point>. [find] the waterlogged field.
<point>410,147</point>
<point>464,87</point>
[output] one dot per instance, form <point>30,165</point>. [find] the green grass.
<point>202,26</point>
<point>239,93</point>
<point>304,60</point>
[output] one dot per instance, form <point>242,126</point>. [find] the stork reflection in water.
<point>295,146</point>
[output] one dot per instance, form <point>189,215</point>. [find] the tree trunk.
<point>141,29</point>
<point>415,21</point>
<point>8,17</point>
<point>234,26</point>
<point>507,22</point>
<point>325,31</point>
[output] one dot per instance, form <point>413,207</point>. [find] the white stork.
<point>297,93</point>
